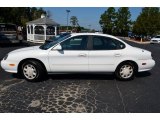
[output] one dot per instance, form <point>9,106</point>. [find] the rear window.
<point>106,43</point>
<point>7,27</point>
<point>157,37</point>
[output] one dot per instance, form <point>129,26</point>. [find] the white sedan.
<point>79,52</point>
<point>155,39</point>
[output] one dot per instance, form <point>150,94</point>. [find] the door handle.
<point>117,55</point>
<point>82,55</point>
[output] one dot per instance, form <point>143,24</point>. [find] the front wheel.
<point>125,71</point>
<point>32,71</point>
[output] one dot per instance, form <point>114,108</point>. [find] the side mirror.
<point>58,47</point>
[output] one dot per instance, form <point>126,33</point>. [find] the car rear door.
<point>105,54</point>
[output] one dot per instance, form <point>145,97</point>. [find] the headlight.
<point>5,57</point>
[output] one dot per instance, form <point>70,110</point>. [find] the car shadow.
<point>85,76</point>
<point>143,74</point>
<point>15,75</point>
<point>91,76</point>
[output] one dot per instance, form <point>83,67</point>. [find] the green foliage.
<point>116,23</point>
<point>107,20</point>
<point>19,15</point>
<point>123,21</point>
<point>148,22</point>
<point>74,21</point>
<point>78,28</point>
<point>75,24</point>
<point>65,27</point>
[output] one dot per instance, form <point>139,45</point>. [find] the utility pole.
<point>68,11</point>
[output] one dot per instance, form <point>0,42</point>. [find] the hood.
<point>25,49</point>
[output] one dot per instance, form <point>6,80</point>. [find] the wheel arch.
<point>33,59</point>
<point>131,61</point>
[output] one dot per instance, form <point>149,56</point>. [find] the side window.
<point>106,43</point>
<point>98,43</point>
<point>75,43</point>
<point>119,44</point>
<point>110,44</point>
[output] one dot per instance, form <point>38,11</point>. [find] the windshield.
<point>55,38</point>
<point>157,37</point>
<point>46,46</point>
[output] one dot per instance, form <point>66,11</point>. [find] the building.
<point>41,29</point>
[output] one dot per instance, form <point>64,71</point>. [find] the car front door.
<point>105,53</point>
<point>72,58</point>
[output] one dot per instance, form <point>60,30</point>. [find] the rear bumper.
<point>5,65</point>
<point>149,64</point>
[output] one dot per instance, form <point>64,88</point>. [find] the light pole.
<point>89,26</point>
<point>68,11</point>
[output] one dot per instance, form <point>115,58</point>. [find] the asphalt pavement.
<point>82,92</point>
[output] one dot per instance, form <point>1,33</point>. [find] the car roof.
<point>96,34</point>
<point>99,34</point>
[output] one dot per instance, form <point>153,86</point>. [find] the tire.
<point>32,71</point>
<point>125,71</point>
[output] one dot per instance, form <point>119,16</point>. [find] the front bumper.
<point>149,64</point>
<point>6,66</point>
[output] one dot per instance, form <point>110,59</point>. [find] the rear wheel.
<point>32,71</point>
<point>125,71</point>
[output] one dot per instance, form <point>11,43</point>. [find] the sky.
<point>86,15</point>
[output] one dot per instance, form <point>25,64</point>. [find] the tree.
<point>147,22</point>
<point>107,20</point>
<point>123,21</point>
<point>36,13</point>
<point>74,21</point>
<point>20,15</point>
<point>48,14</point>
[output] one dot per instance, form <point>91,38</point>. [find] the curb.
<point>137,41</point>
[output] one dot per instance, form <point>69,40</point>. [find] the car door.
<point>72,58</point>
<point>105,53</point>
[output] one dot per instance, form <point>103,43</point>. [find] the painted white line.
<point>10,80</point>
<point>4,88</point>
